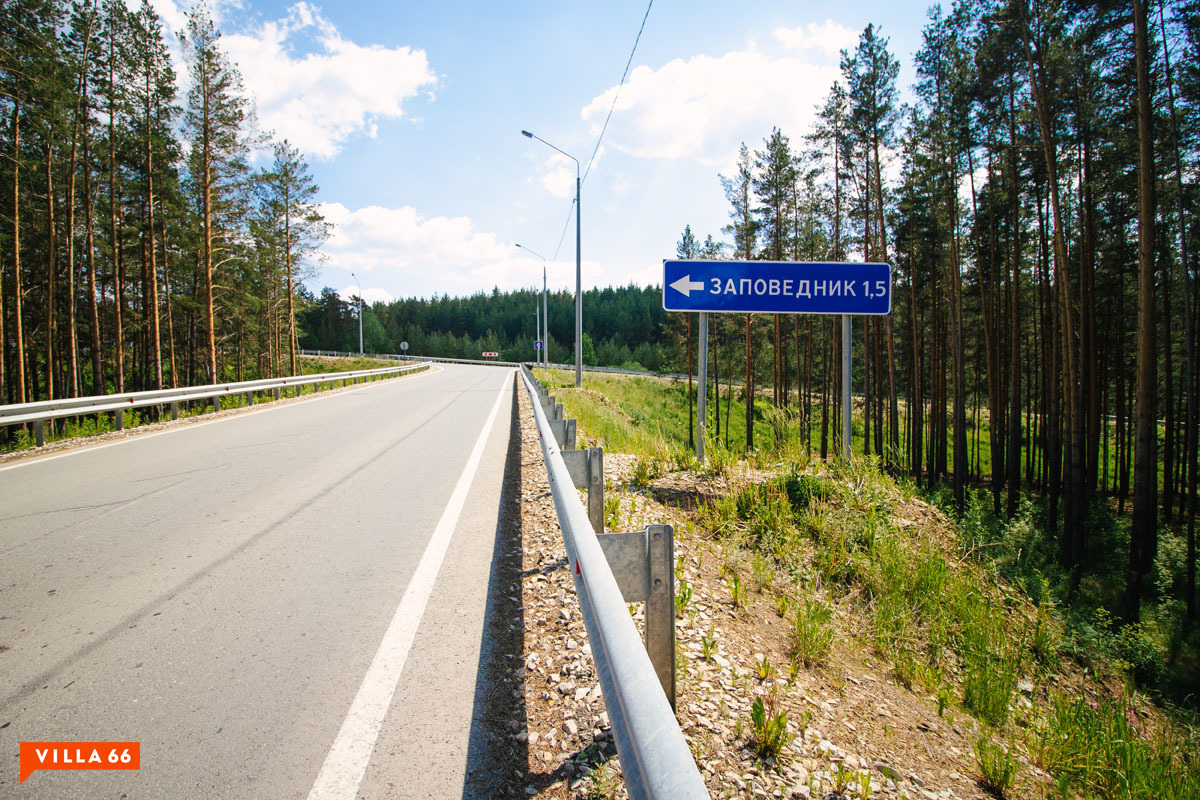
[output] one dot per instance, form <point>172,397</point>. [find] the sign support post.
<point>779,287</point>
<point>846,375</point>
<point>702,387</point>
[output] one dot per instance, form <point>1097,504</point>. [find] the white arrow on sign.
<point>686,285</point>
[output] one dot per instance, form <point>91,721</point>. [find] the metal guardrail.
<point>611,370</point>
<point>610,570</point>
<point>399,357</point>
<point>43,411</point>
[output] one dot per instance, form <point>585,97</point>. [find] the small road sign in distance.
<point>490,355</point>
<point>537,345</point>
<point>777,287</point>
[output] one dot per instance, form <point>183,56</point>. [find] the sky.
<point>410,117</point>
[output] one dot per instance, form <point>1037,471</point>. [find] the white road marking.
<point>346,763</point>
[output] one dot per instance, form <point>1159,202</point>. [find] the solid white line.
<point>346,763</point>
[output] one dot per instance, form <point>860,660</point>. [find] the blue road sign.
<point>777,287</point>
<point>537,345</point>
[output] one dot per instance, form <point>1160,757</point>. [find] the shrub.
<point>1136,647</point>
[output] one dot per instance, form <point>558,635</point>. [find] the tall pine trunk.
<point>1144,532</point>
<point>18,291</point>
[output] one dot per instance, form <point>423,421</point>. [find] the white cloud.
<point>319,99</point>
<point>397,252</point>
<point>703,108</point>
<point>375,237</point>
<point>370,295</point>
<point>558,176</point>
<point>173,15</point>
<point>829,38</point>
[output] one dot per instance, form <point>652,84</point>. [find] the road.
<point>285,603</point>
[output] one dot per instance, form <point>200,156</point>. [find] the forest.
<point>1035,199</point>
<point>139,250</point>
<point>623,327</point>
<point>1042,341</point>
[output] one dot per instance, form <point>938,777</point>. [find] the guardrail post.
<point>249,398</point>
<point>564,432</point>
<point>175,410</point>
<point>39,433</point>
<point>216,404</point>
<point>587,472</point>
<point>276,394</point>
<point>643,563</point>
<point>660,606</point>
<point>119,419</point>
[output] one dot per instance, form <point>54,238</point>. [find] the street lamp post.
<point>578,254</point>
<point>360,347</point>
<point>544,333</point>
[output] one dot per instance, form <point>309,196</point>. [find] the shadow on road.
<point>496,760</point>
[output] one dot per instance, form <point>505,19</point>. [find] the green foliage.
<point>601,782</point>
<point>936,612</point>
<point>841,779</point>
<point>708,644</point>
<point>623,326</point>
<point>1106,748</point>
<point>989,685</point>
<point>1135,646</point>
<point>646,417</point>
<point>812,631</point>
<point>717,457</point>
<point>683,595</point>
<point>768,724</point>
<point>1044,643</point>
<point>612,510</point>
<point>739,592</point>
<point>997,767</point>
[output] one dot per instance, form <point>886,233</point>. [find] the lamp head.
<point>527,134</point>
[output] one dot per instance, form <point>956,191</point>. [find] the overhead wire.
<point>617,94</point>
<point>604,128</point>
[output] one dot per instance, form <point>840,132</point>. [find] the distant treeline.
<point>623,327</point>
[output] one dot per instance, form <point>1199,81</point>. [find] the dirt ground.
<point>855,730</point>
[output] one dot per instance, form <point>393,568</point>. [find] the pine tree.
<point>744,229</point>
<point>214,119</point>
<point>687,248</point>
<point>153,106</point>
<point>871,77</point>
<point>773,182</point>
<point>290,222</point>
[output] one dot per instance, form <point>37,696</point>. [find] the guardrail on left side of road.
<point>40,412</point>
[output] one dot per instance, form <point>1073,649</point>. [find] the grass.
<point>944,607</point>
<point>812,632</point>
<point>1105,747</point>
<point>997,767</point>
<point>648,416</point>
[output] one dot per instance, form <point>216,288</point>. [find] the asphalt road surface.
<point>286,603</point>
